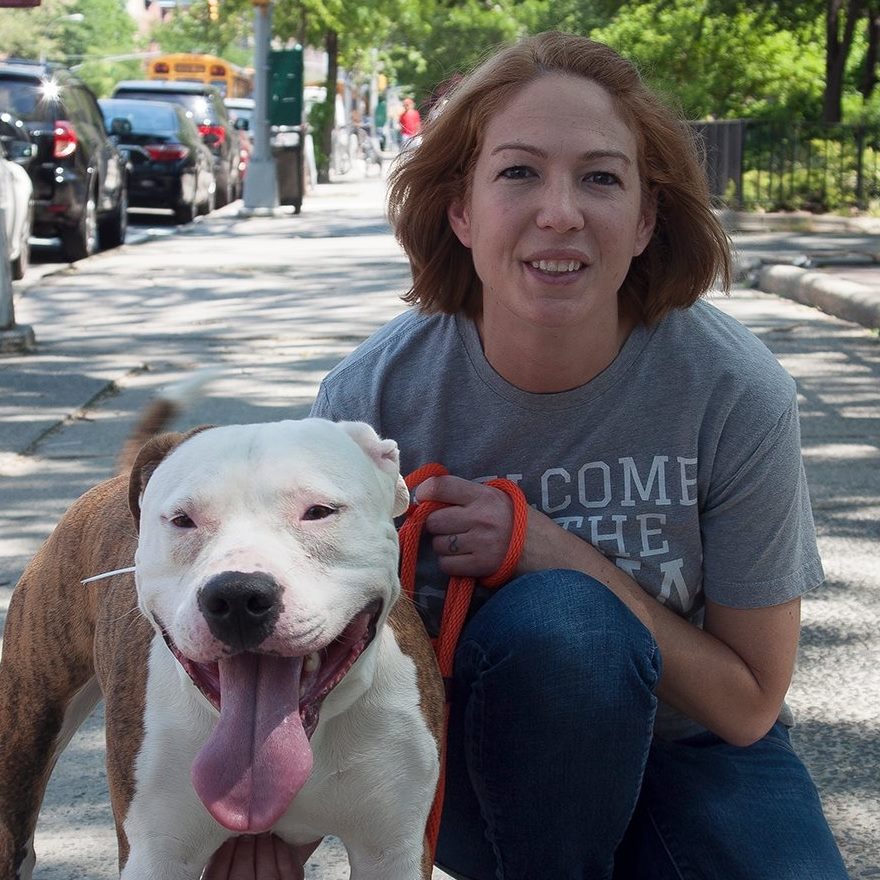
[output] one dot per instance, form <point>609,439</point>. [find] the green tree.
<point>39,32</point>
<point>106,31</point>
<point>82,35</point>
<point>437,38</point>
<point>724,64</point>
<point>351,32</point>
<point>192,29</point>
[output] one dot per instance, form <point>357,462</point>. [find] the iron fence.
<point>797,166</point>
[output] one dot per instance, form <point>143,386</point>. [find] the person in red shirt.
<point>410,120</point>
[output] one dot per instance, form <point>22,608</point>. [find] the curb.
<point>844,299</point>
<point>796,221</point>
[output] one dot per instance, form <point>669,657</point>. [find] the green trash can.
<point>285,119</point>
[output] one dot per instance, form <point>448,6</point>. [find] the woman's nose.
<point>560,207</point>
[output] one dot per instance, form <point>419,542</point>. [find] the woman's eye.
<point>319,511</point>
<point>517,172</point>
<point>603,178</point>
<point>182,521</point>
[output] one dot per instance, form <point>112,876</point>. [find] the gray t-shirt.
<point>681,461</point>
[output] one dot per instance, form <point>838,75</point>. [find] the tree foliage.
<point>764,59</point>
<point>85,35</point>
<point>737,63</point>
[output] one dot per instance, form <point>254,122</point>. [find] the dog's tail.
<point>170,403</point>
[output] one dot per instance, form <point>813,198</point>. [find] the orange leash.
<point>458,597</point>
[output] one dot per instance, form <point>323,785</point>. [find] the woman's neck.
<point>549,360</point>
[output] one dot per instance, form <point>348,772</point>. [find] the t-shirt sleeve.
<point>321,408</point>
<point>759,539</point>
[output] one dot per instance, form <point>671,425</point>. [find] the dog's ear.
<point>148,459</point>
<point>386,457</point>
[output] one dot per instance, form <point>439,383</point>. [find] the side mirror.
<point>120,127</point>
<point>22,152</point>
<point>241,124</point>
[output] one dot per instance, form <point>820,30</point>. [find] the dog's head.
<point>267,559</point>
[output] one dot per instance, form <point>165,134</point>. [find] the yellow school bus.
<point>231,80</point>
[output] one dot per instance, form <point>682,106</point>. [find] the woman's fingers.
<point>260,857</point>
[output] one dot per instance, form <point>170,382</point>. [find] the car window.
<point>242,113</point>
<point>145,117</point>
<point>197,107</point>
<point>30,99</point>
<point>7,131</point>
<point>75,108</point>
<point>90,107</point>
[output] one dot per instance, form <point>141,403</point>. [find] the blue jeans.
<point>553,771</point>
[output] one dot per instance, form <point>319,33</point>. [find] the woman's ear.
<point>460,220</point>
<point>647,223</point>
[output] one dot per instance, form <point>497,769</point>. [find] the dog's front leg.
<point>169,832</point>
<point>408,861</point>
<point>163,858</point>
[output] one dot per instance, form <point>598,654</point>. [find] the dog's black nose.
<point>241,607</point>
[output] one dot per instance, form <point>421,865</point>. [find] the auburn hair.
<point>689,250</point>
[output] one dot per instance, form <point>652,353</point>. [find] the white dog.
<point>273,678</point>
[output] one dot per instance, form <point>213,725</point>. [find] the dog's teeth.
<point>312,663</point>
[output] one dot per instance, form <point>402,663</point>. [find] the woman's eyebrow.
<point>589,156</point>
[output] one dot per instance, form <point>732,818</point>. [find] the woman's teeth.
<point>559,266</point>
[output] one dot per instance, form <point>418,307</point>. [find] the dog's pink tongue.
<point>258,756</point>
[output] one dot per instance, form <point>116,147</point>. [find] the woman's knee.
<point>563,624</point>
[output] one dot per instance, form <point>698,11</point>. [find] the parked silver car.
<point>16,191</point>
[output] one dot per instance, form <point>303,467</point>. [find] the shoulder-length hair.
<point>689,249</point>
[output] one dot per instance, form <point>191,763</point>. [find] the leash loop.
<point>459,593</point>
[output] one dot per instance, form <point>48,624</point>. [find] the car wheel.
<point>185,213</point>
<point>112,231</point>
<point>82,241</point>
<point>208,205</point>
<point>22,261</point>
<point>222,193</point>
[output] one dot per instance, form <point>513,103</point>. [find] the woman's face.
<point>555,212</point>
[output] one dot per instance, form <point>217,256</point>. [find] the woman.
<point>618,706</point>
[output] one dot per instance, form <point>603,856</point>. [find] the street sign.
<point>286,87</point>
<point>18,4</point>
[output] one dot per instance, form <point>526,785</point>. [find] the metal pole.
<point>13,338</point>
<point>261,183</point>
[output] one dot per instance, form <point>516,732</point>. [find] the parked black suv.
<point>204,105</point>
<point>79,176</point>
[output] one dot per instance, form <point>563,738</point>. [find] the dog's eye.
<point>182,521</point>
<point>319,511</point>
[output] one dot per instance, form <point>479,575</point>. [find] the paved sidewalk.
<point>275,302</point>
<point>831,263</point>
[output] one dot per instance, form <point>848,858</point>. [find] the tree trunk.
<point>329,119</point>
<point>869,72</point>
<point>837,48</point>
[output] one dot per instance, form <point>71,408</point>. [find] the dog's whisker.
<point>419,603</point>
<point>106,574</point>
<point>130,613</point>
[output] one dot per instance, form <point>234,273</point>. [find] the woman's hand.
<point>260,857</point>
<point>472,535</point>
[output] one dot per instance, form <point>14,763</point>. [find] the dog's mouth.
<point>320,672</point>
<point>258,755</point>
